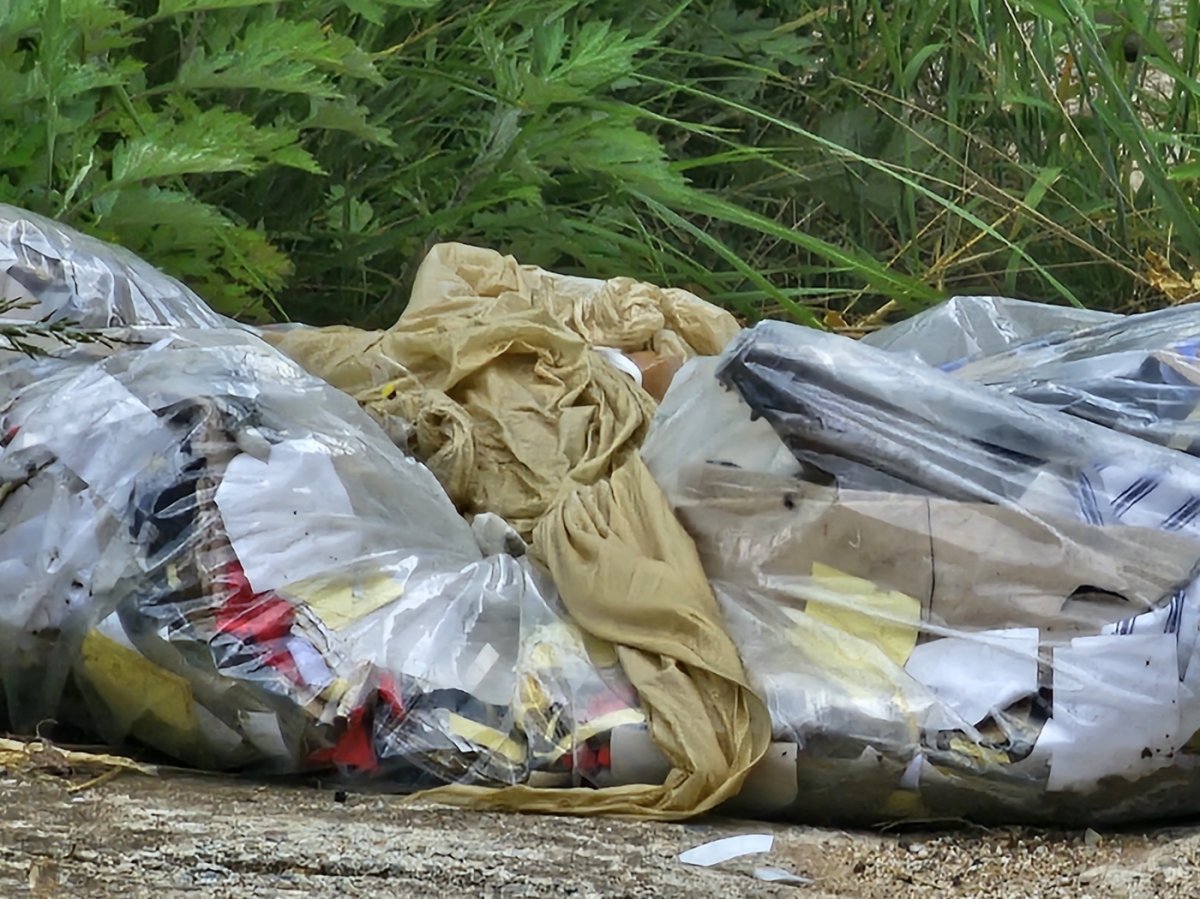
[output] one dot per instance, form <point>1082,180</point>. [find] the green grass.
<point>826,162</point>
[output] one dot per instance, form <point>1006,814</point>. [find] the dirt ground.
<point>187,836</point>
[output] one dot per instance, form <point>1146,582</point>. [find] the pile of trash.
<point>568,545</point>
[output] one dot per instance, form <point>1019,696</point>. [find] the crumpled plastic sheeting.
<point>964,328</point>
<point>1138,374</point>
<point>935,630</point>
<point>50,273</point>
<point>494,366</point>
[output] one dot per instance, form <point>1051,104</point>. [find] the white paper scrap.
<point>1116,709</point>
<point>289,518</point>
<point>976,675</point>
<point>778,875</point>
<point>708,854</point>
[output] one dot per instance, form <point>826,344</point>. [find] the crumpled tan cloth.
<point>629,575</point>
<point>493,366</point>
<point>492,376</point>
<point>621,313</point>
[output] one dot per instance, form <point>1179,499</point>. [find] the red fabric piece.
<point>257,619</point>
<point>355,748</point>
<point>390,695</point>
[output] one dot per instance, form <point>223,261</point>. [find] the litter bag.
<point>232,561</point>
<point>209,550</point>
<point>955,602</point>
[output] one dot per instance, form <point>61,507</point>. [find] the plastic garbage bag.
<point>214,552</point>
<point>940,625</point>
<point>249,574</point>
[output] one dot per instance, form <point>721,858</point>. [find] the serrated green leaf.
<point>167,8</point>
<point>348,116</point>
<point>375,11</point>
<point>277,55</point>
<point>204,142</point>
<point>549,43</point>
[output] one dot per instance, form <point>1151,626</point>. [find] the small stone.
<point>1091,838</point>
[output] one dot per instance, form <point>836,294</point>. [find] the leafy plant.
<point>114,117</point>
<point>824,162</point>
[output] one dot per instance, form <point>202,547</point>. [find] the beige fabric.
<point>492,365</point>
<point>511,407</point>
<point>510,410</point>
<point>767,532</point>
<point>629,575</point>
<point>621,313</point>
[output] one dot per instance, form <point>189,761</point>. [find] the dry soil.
<point>185,836</point>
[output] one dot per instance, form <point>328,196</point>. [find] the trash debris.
<point>778,875</point>
<point>38,755</point>
<point>955,574</point>
<point>720,851</point>
<point>897,560</point>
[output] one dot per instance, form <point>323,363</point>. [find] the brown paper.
<point>973,566</point>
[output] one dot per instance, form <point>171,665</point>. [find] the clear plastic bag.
<point>1138,374</point>
<point>921,592</point>
<point>227,559</point>
<point>53,274</point>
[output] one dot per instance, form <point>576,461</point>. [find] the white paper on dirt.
<point>289,518</point>
<point>778,875</point>
<point>976,675</point>
<point>1116,709</point>
<point>708,854</point>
